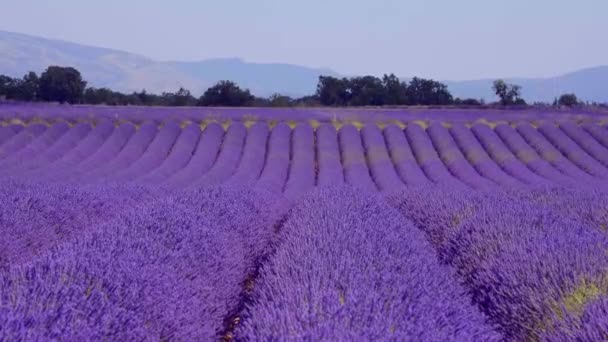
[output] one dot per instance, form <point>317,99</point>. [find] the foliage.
<point>61,84</point>
<point>308,101</point>
<point>5,84</point>
<point>181,98</point>
<point>373,91</point>
<point>278,100</point>
<point>226,93</point>
<point>509,94</point>
<point>421,91</point>
<point>395,91</point>
<point>468,102</point>
<point>567,100</point>
<point>25,89</point>
<point>102,96</point>
<point>366,91</point>
<point>65,84</point>
<point>333,91</point>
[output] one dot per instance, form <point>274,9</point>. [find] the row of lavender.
<point>132,262</point>
<point>126,262</point>
<point>29,111</point>
<point>370,158</point>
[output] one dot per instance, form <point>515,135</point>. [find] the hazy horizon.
<point>449,41</point>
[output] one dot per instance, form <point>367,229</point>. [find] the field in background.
<point>378,115</point>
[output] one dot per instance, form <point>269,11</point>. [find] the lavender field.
<point>132,223</point>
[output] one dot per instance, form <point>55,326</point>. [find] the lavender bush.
<point>348,267</point>
<point>171,268</point>
<point>524,265</point>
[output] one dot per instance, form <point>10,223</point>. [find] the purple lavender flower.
<point>349,267</point>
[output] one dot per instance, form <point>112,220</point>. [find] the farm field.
<point>133,223</point>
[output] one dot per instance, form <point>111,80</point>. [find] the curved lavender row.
<point>21,139</point>
<point>527,155</point>
<point>402,157</point>
<point>91,143</point>
<point>586,204</point>
<point>572,151</point>
<point>356,171</point>
<point>105,153</point>
<point>366,115</point>
<point>276,168</point>
<point>521,263</point>
<point>228,159</point>
<point>35,148</point>
<point>427,157</point>
<point>153,157</point>
<point>35,216</point>
<point>380,163</point>
<point>16,127</point>
<point>7,132</point>
<point>453,158</point>
<point>549,153</point>
<point>586,142</point>
<point>479,158</point>
<point>62,145</point>
<point>504,157</point>
<point>131,151</point>
<point>329,166</point>
<point>171,269</point>
<point>302,169</point>
<point>205,154</point>
<point>180,155</point>
<point>347,267</point>
<point>254,154</point>
<point>598,132</point>
<point>87,146</point>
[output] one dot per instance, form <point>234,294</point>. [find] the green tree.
<point>307,101</point>
<point>568,100</point>
<point>333,91</point>
<point>9,87</point>
<point>62,84</point>
<point>509,94</point>
<point>467,102</point>
<point>99,96</point>
<point>226,93</point>
<point>143,97</point>
<point>422,91</point>
<point>366,91</point>
<point>181,98</point>
<point>29,87</point>
<point>21,89</point>
<point>278,100</point>
<point>395,91</point>
<point>5,84</point>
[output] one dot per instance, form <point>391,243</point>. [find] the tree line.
<point>66,85</point>
<point>388,90</point>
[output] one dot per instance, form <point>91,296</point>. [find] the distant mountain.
<point>260,78</point>
<point>588,84</point>
<point>100,67</point>
<point>128,72</point>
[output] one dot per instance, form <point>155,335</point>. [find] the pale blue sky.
<point>449,39</point>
